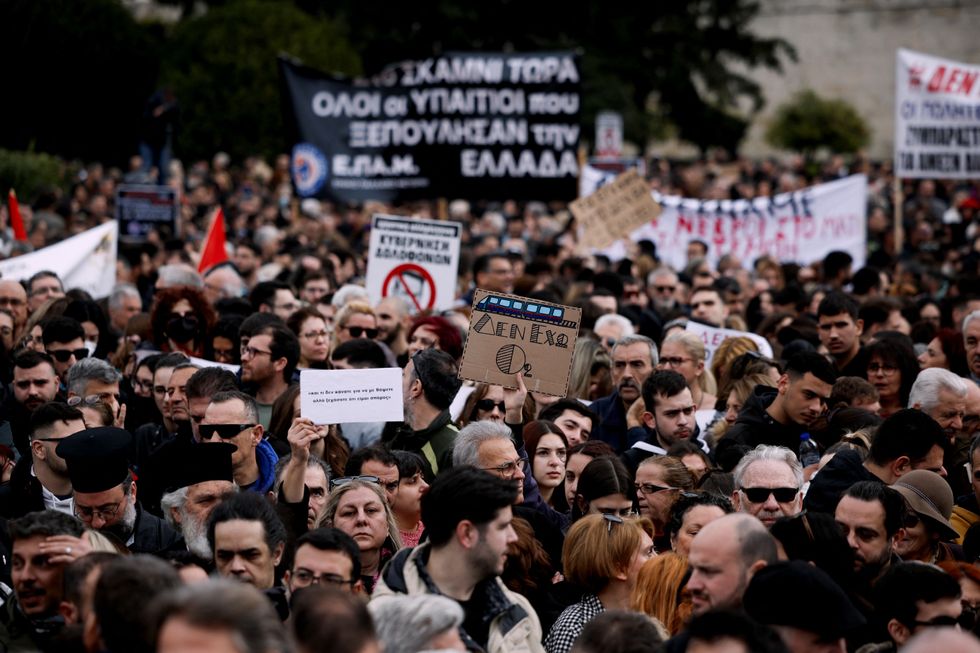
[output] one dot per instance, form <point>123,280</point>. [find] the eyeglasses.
<point>874,368</point>
<point>105,513</point>
<point>391,486</point>
<point>224,431</point>
<point>665,288</point>
<point>487,405</point>
<point>911,520</point>
<point>313,335</point>
<point>91,400</point>
<point>650,488</point>
<point>674,361</point>
<point>306,577</point>
<point>936,622</point>
<point>252,352</point>
<point>64,355</point>
<point>356,331</point>
<point>610,520</point>
<point>761,494</point>
<point>509,469</point>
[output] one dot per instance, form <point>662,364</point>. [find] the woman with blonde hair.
<point>725,354</point>
<point>359,508</point>
<point>684,353</point>
<point>602,555</point>
<point>659,592</point>
<point>353,320</point>
<point>591,375</point>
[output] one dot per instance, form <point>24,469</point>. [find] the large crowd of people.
<point>161,490</point>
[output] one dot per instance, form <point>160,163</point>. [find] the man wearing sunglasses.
<point>232,417</point>
<point>64,341</point>
<point>913,597</point>
<point>767,484</point>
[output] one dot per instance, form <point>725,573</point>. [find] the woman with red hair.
<point>181,319</point>
<point>434,331</point>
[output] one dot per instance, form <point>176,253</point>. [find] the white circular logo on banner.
<point>309,168</point>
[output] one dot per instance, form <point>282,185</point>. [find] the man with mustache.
<point>778,416</point>
<point>634,359</point>
<point>668,418</point>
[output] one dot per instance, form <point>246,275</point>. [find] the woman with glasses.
<point>660,480</point>
<point>892,368</point>
<point>486,402</point>
<point>181,319</point>
<point>358,507</point>
<point>548,450</point>
<point>434,332</point>
<point>223,345</point>
<point>684,353</point>
<point>604,487</point>
<point>314,339</point>
<point>602,555</point>
<point>354,320</point>
<point>927,535</point>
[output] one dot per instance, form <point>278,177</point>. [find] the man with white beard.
<point>205,479</point>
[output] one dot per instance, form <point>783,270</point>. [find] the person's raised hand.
<point>514,399</point>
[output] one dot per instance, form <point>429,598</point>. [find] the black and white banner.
<point>471,125</point>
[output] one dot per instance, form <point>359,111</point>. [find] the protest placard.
<point>510,334</point>
<point>803,226</point>
<point>86,261</point>
<point>417,260</point>
<point>937,117</point>
<point>347,396</point>
<point>141,209</point>
<point>487,124</point>
<point>203,362</point>
<point>614,210</point>
<point>713,336</point>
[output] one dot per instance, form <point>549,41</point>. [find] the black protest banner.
<point>461,125</point>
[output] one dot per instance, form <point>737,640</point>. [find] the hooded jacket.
<point>266,458</point>
<point>756,426</point>
<point>514,627</point>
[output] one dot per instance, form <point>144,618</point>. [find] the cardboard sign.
<point>510,334</point>
<point>417,260</point>
<point>346,396</point>
<point>615,210</point>
<point>86,261</point>
<point>713,336</point>
<point>142,209</point>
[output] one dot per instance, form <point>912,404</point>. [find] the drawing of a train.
<point>518,308</point>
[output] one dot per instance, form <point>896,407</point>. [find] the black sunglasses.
<point>488,404</point>
<point>62,355</point>
<point>761,494</point>
<point>356,331</point>
<point>224,431</point>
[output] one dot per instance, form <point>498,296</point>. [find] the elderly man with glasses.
<point>768,481</point>
<point>233,417</point>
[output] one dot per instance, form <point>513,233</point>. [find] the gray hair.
<point>179,274</point>
<point>312,462</point>
<point>233,285</point>
<point>348,293</point>
<point>90,369</point>
<point>975,315</point>
<point>928,384</point>
<point>171,501</point>
<point>466,451</point>
<point>767,452</point>
<point>406,624</point>
<point>251,408</point>
<point>625,341</point>
<point>613,318</point>
<point>121,290</point>
<point>660,272</point>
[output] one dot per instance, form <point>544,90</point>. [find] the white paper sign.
<point>937,117</point>
<point>417,260</point>
<point>203,362</point>
<point>713,336</point>
<point>86,261</point>
<point>803,226</point>
<point>345,396</point>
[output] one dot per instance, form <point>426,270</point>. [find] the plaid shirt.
<point>569,625</point>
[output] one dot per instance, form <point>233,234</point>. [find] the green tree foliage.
<point>222,68</point>
<point>28,173</point>
<point>809,122</point>
<point>75,77</point>
<point>684,55</point>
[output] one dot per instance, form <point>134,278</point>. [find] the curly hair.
<point>166,299</point>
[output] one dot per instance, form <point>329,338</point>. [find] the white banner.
<point>937,117</point>
<point>803,226</point>
<point>417,260</point>
<point>86,261</point>
<point>713,336</point>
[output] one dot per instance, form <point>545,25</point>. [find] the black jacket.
<point>755,426</point>
<point>842,471</point>
<point>23,493</point>
<point>612,428</point>
<point>153,535</point>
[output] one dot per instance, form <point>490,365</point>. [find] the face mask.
<point>90,345</point>
<point>182,329</point>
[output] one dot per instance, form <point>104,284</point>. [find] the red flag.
<point>214,245</point>
<point>16,222</point>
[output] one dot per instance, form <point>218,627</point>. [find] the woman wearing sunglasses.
<point>486,402</point>
<point>181,319</point>
<point>602,555</point>
<point>358,507</point>
<point>354,320</point>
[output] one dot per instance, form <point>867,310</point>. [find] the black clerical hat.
<point>97,459</point>
<point>198,463</point>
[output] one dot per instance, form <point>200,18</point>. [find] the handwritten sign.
<point>346,396</point>
<point>713,336</point>
<point>510,334</point>
<point>615,210</point>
